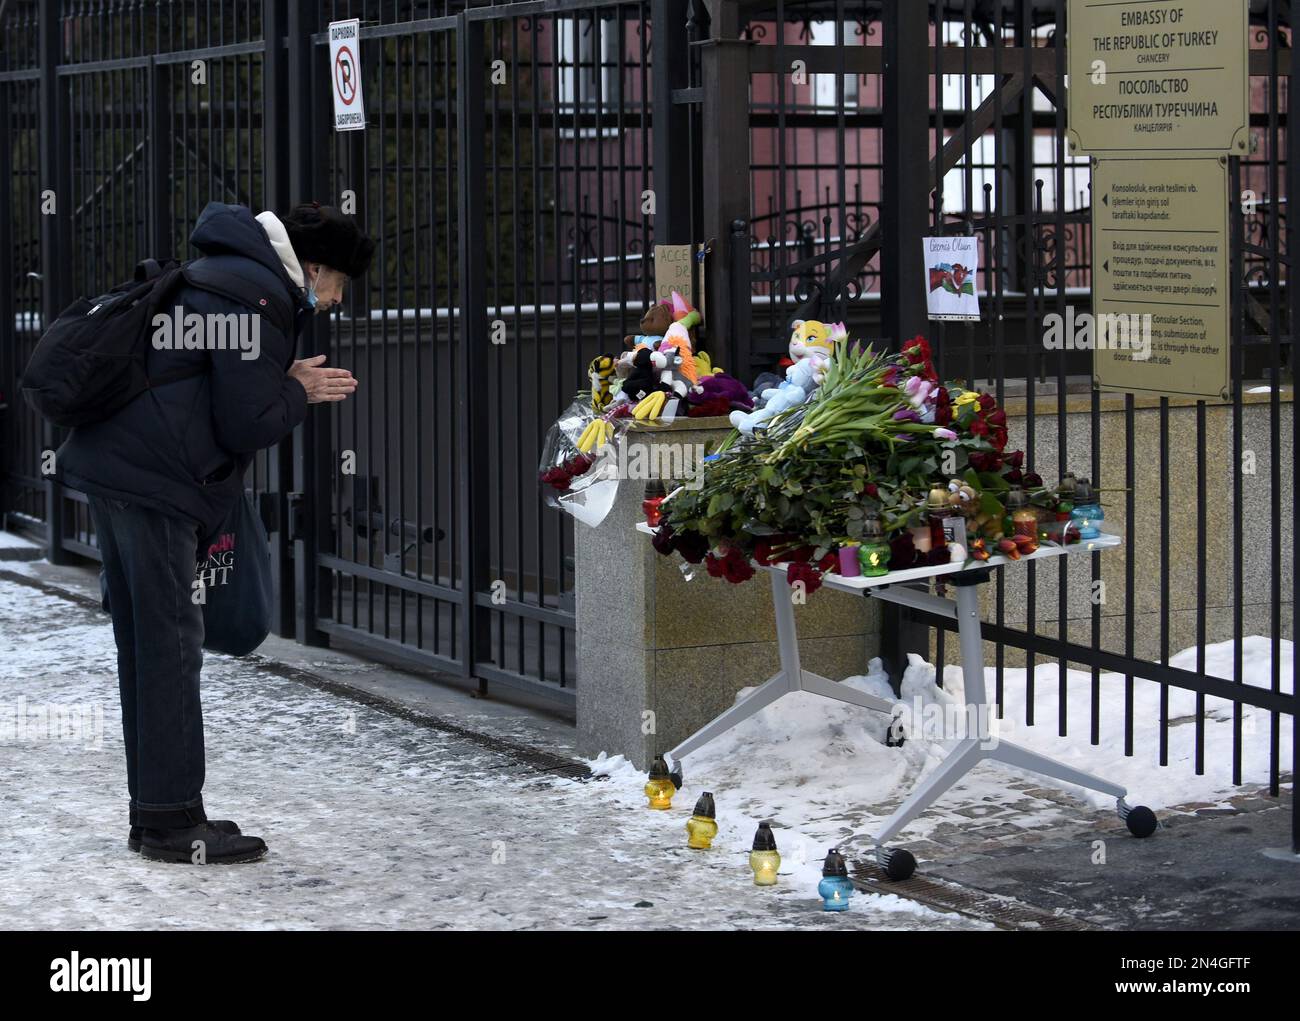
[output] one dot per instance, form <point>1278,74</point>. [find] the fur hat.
<point>323,234</point>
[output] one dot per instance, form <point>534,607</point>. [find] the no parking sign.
<point>345,73</point>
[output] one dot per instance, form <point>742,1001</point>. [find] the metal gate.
<point>501,173</point>
<point>497,182</point>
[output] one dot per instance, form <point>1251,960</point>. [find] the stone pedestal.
<point>660,656</point>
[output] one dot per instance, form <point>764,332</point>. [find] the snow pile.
<point>822,773</point>
<point>1158,787</point>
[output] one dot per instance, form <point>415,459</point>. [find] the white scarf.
<point>283,247</point>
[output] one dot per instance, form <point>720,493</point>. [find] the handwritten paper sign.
<point>673,267</point>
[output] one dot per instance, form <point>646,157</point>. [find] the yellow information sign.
<point>1160,276</point>
<point>1166,76</point>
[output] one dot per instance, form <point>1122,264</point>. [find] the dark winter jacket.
<point>183,448</point>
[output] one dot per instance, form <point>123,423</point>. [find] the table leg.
<point>960,761</point>
<point>1023,758</point>
<point>784,682</point>
<point>758,699</point>
<point>971,750</point>
<point>841,692</point>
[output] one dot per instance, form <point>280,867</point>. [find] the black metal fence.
<point>915,119</point>
<point>505,172</point>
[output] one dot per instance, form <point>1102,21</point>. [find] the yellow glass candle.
<point>660,787</point>
<point>764,859</point>
<point>701,827</point>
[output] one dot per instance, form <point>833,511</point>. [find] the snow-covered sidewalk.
<point>375,821</point>
<point>372,820</point>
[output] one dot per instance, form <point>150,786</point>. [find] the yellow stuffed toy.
<point>601,370</point>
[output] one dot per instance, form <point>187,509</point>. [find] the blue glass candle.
<point>835,889</point>
<point>1086,514</point>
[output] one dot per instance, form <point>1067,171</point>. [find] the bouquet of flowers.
<point>570,469</point>
<point>881,432</point>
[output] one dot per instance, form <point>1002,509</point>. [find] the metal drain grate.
<point>944,896</point>
<point>533,759</point>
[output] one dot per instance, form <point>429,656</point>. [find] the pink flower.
<point>945,434</point>
<point>920,392</point>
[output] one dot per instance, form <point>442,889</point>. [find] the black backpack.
<point>90,363</point>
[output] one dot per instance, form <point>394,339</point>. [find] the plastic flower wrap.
<point>579,464</point>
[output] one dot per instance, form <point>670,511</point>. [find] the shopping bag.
<point>233,577</point>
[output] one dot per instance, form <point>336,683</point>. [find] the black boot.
<point>204,844</point>
<point>224,825</point>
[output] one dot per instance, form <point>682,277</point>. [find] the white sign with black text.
<point>345,72</point>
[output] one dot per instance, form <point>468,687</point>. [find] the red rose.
<point>691,545</point>
<point>1033,480</point>
<point>736,567</point>
<point>872,490</point>
<point>987,403</point>
<point>806,573</point>
<point>1014,476</point>
<point>978,427</point>
<point>917,352</point>
<point>998,417</point>
<point>902,551</point>
<point>1016,459</point>
<point>713,565</point>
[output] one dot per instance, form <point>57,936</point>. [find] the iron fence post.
<point>742,320</point>
<point>725,165</point>
<point>298,164</point>
<point>279,461</point>
<point>472,400</point>
<point>1293,299</point>
<point>671,123</point>
<point>55,172</point>
<point>161,240</point>
<point>904,218</point>
<point>9,368</point>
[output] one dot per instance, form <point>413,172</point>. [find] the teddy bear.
<point>654,324</point>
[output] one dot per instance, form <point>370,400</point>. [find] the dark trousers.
<point>149,563</point>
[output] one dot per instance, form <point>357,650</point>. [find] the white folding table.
<point>967,751</point>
